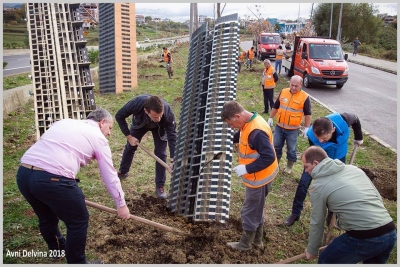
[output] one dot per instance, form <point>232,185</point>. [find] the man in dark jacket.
<point>149,113</point>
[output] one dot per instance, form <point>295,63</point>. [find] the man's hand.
<point>171,164</point>
<point>310,256</point>
<point>358,142</point>
<point>270,122</point>
<point>240,170</point>
<point>305,131</point>
<point>123,212</point>
<point>132,140</point>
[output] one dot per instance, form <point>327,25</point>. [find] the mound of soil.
<point>385,180</point>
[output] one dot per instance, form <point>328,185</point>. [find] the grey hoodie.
<point>349,193</point>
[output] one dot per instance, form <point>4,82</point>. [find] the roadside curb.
<point>372,66</point>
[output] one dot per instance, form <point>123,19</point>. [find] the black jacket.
<point>135,107</point>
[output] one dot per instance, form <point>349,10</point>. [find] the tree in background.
<point>357,20</point>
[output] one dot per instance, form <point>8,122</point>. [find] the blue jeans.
<point>249,63</point>
<point>350,250</point>
<point>280,135</point>
<point>160,148</point>
<point>301,191</point>
<point>278,64</point>
<point>268,98</point>
<point>55,197</point>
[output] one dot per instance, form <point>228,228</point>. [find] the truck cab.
<point>265,45</point>
<point>319,61</point>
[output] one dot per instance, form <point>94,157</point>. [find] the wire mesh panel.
<point>200,182</point>
<point>62,83</point>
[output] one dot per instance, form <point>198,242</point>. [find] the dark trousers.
<point>160,147</point>
<point>301,192</point>
<point>268,98</point>
<point>55,197</point>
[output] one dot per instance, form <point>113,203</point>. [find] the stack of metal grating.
<point>200,182</point>
<point>61,79</point>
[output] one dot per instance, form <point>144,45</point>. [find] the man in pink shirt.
<point>47,179</point>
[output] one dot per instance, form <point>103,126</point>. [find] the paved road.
<point>370,93</point>
<point>17,64</point>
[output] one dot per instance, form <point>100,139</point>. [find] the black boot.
<point>259,237</point>
<point>245,241</point>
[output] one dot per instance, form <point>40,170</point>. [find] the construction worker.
<point>332,134</point>
<point>268,83</point>
<point>241,60</point>
<point>278,59</point>
<point>291,106</point>
<point>250,57</point>
<point>167,56</point>
<point>257,167</point>
<point>370,232</point>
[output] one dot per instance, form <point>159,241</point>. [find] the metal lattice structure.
<point>200,182</point>
<point>61,79</point>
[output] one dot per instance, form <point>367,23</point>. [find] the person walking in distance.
<point>257,168</point>
<point>356,43</point>
<point>268,84</point>
<point>149,113</point>
<point>250,57</point>
<point>290,107</point>
<point>167,56</point>
<point>47,180</point>
<point>370,232</point>
<point>332,134</point>
<point>278,59</point>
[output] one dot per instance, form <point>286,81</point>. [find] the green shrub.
<point>4,64</point>
<point>93,56</point>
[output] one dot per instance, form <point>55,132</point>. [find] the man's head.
<point>323,129</point>
<point>154,108</point>
<point>295,84</point>
<point>280,47</point>
<point>312,157</point>
<point>104,118</point>
<point>164,48</point>
<point>252,48</point>
<point>267,63</point>
<point>233,114</point>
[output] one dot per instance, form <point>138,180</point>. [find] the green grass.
<point>13,81</point>
<point>19,132</point>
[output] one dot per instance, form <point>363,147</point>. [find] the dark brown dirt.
<point>130,242</point>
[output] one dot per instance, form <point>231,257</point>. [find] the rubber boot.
<point>259,236</point>
<point>245,241</point>
<point>289,166</point>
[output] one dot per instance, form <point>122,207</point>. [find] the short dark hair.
<point>314,153</point>
<point>154,103</point>
<point>164,48</point>
<point>322,126</point>
<point>230,109</point>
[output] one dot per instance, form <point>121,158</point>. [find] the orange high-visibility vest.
<point>241,57</point>
<point>279,54</point>
<point>250,54</point>
<point>166,59</point>
<point>248,155</point>
<point>290,112</point>
<point>268,77</point>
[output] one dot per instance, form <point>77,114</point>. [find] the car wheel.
<point>306,82</point>
<point>339,86</point>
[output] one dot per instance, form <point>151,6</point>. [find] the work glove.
<point>171,164</point>
<point>305,131</point>
<point>270,122</point>
<point>240,170</point>
<point>358,142</point>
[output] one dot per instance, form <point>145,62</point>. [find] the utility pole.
<point>196,17</point>
<point>191,21</point>
<point>338,37</point>
<point>330,25</point>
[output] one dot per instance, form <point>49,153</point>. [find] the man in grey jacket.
<point>347,191</point>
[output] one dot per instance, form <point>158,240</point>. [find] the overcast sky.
<point>181,11</point>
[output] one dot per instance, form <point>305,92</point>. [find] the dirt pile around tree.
<point>385,180</point>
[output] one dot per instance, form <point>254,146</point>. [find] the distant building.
<point>90,14</point>
<point>157,20</point>
<point>140,19</point>
<point>202,19</point>
<point>117,47</point>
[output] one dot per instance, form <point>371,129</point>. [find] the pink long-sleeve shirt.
<point>70,144</point>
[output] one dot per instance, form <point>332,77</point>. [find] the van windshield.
<point>326,51</point>
<point>270,39</point>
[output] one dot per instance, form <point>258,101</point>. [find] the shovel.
<point>297,257</point>
<point>165,165</point>
<point>136,218</point>
<point>333,220</point>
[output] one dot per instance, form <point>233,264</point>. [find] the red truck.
<point>318,60</point>
<point>265,45</point>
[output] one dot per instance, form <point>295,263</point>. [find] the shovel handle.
<point>165,165</point>
<point>136,218</point>
<point>297,257</point>
<point>353,155</point>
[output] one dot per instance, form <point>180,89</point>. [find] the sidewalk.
<point>379,64</point>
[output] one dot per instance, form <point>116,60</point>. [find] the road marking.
<point>18,68</point>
